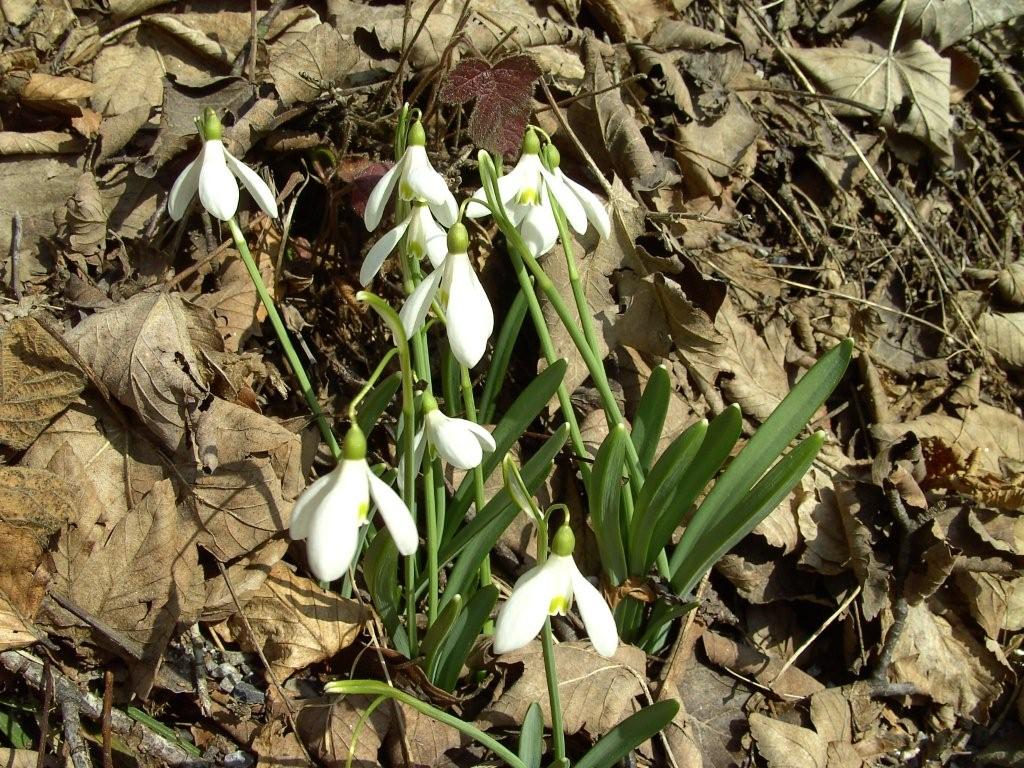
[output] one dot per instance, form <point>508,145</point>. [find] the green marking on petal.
<point>362,511</point>
<point>559,606</point>
<point>528,196</point>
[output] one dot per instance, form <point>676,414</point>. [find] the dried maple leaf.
<point>503,94</point>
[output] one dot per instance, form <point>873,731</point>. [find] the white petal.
<point>421,182</point>
<point>380,251</point>
<point>309,500</point>
<point>597,616</point>
<point>574,213</point>
<point>591,204</point>
<point>539,230</point>
<point>522,616</point>
<point>425,237</point>
<point>524,176</point>
<point>396,515</point>
<point>379,197</point>
<point>454,440</point>
<point>333,524</point>
<point>218,190</point>
<point>469,315</point>
<point>482,436</point>
<point>415,309</point>
<point>475,211</point>
<point>184,190</point>
<point>251,181</point>
<point>437,243</point>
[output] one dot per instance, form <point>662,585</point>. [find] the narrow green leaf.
<point>604,496</point>
<point>745,513</point>
<point>629,734</point>
<point>451,384</point>
<point>649,419</point>
<point>503,346</point>
<point>380,569</point>
<point>376,402</point>
<point>777,432</point>
<point>656,628</point>
<point>437,634</point>
<point>11,730</point>
<point>531,737</point>
<point>466,629</point>
<point>511,427</point>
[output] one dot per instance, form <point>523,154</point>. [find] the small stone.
<point>248,693</point>
<point>227,685</point>
<point>237,759</point>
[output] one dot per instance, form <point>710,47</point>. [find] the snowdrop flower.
<point>460,442</point>
<point>592,206</point>
<point>423,237</point>
<point>524,193</point>
<point>416,180</point>
<point>330,512</point>
<point>214,175</point>
<point>549,589</point>
<point>468,312</point>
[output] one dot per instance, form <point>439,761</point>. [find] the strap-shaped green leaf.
<point>603,496</point>
<point>517,418</point>
<point>374,404</point>
<point>649,419</point>
<point>503,346</point>
<point>531,737</point>
<point>746,512</point>
<point>437,634</point>
<point>777,432</point>
<point>628,735</point>
<point>380,569</point>
<point>455,648</point>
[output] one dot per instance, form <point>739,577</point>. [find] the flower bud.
<point>354,446</point>
<point>211,127</point>
<point>458,238</point>
<point>564,542</point>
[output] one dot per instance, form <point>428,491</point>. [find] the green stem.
<point>375,688</point>
<point>557,729</point>
<point>430,512</point>
<point>282,335</point>
<point>469,403</point>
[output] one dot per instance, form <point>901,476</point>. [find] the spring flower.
<point>460,442</point>
<point>213,174</point>
<point>423,237</point>
<point>549,589</point>
<point>468,312</point>
<point>524,194</point>
<point>329,512</point>
<point>592,206</point>
<point>416,180</point>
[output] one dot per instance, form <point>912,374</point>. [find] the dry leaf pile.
<point>778,177</point>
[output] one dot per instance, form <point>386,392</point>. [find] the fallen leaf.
<point>785,745</point>
<point>147,351</point>
<point>908,90</point>
<point>277,746</point>
<point>15,631</point>
<point>1003,334</point>
<point>948,22</point>
<point>709,152</point>
<point>631,20</point>
<point>38,380</point>
<point>312,64</point>
<point>58,94</point>
<point>247,575</point>
<point>295,622</point>
<point>748,661</point>
<point>596,693</point>
<point>86,220</point>
<point>338,728</point>
<point>127,77</point>
<point>235,304</point>
<point>39,143</point>
<point>428,741</point>
<point>995,603</point>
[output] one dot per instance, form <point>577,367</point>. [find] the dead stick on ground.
<point>105,729</point>
<point>137,735</point>
<point>73,734</point>
<point>15,247</point>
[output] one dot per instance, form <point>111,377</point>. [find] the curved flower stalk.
<point>423,237</point>
<point>468,313</point>
<point>213,174</point>
<point>460,442</point>
<point>548,590</point>
<point>416,179</point>
<point>331,510</point>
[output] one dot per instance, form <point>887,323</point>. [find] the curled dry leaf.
<point>908,90</point>
<point>597,693</point>
<point>39,143</point>
<point>86,221</point>
<point>147,351</point>
<point>312,64</point>
<point>58,94</point>
<point>295,622</point>
<point>748,661</point>
<point>38,380</point>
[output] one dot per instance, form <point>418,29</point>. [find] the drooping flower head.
<point>416,179</point>
<point>329,513</point>
<point>548,590</point>
<point>459,442</point>
<point>213,174</point>
<point>468,314</point>
<point>423,237</point>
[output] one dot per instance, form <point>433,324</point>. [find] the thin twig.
<point>46,683</point>
<point>796,654</point>
<point>900,607</point>
<point>15,247</point>
<point>73,734</point>
<point>199,668</point>
<point>105,729</point>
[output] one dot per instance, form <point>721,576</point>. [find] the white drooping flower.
<point>468,314</point>
<point>423,237</point>
<point>460,442</point>
<point>213,174</point>
<point>416,179</point>
<point>524,192</point>
<point>549,589</point>
<point>331,510</point>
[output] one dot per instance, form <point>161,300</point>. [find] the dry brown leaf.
<point>128,9</point>
<point>38,380</point>
<point>941,657</point>
<point>710,152</point>
<point>1003,334</point>
<point>428,741</point>
<point>86,220</point>
<point>597,693</point>
<point>329,727</point>
<point>127,77</point>
<point>17,12</point>
<point>908,90</point>
<point>750,662</point>
<point>34,504</point>
<point>247,575</point>
<point>829,743</point>
<point>296,623</point>
<point>59,94</point>
<point>312,64</point>
<point>147,351</point>
<point>142,579</point>
<point>277,746</point>
<point>15,631</point>
<point>995,603</point>
<point>785,745</point>
<point>39,143</point>
<point>714,721</point>
<point>946,23</point>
